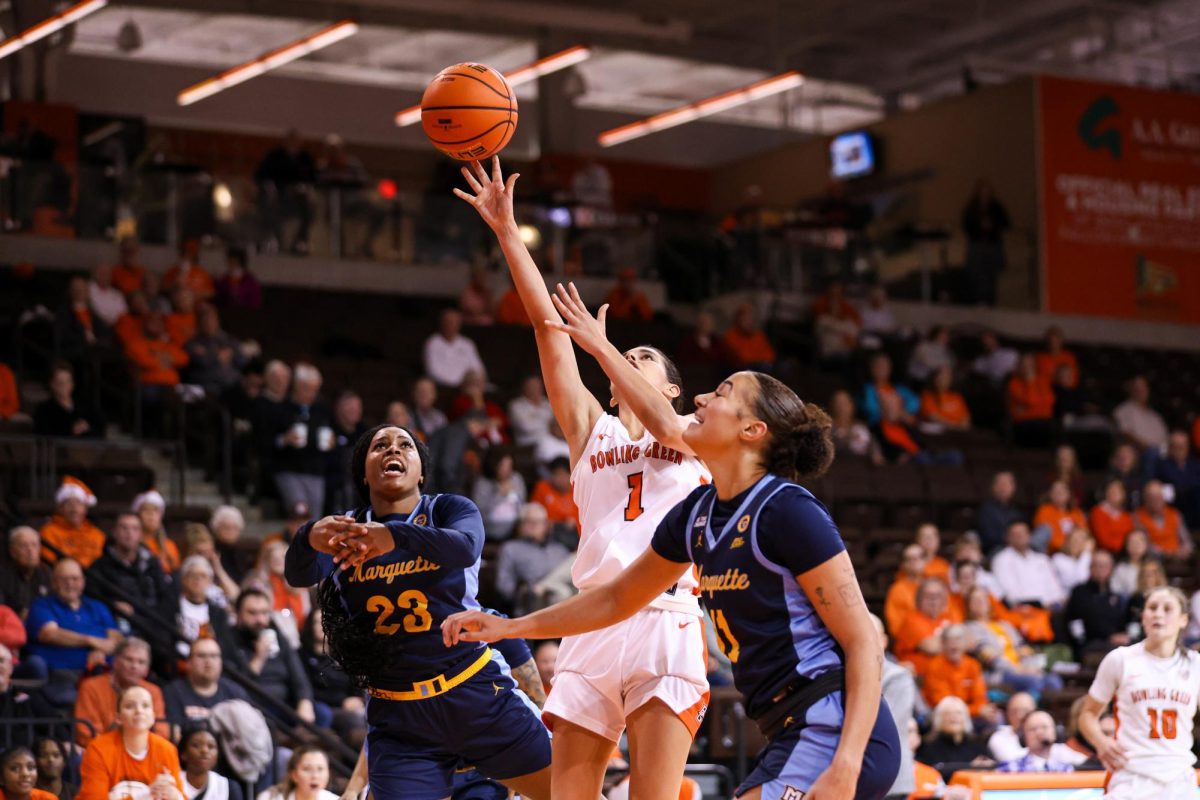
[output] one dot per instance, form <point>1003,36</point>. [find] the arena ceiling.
<point>862,58</point>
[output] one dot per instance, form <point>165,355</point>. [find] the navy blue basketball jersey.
<point>749,551</point>
<point>432,573</point>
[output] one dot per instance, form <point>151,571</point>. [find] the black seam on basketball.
<point>481,80</point>
<point>472,108</point>
<point>473,138</point>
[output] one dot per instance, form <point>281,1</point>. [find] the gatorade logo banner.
<point>1120,200</point>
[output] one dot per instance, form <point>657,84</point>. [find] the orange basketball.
<point>469,111</point>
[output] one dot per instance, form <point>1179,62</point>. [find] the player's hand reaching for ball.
<point>475,626</point>
<point>493,197</point>
<point>588,332</point>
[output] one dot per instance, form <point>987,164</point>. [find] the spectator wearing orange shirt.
<point>1163,524</point>
<point>97,699</point>
<point>511,310</point>
<point>554,494</point>
<point>929,539</point>
<point>625,301</point>
<point>1056,517</point>
<point>1110,522</point>
<point>189,273</point>
<point>901,598</point>
<point>127,274</point>
<point>131,759</point>
<point>919,637</point>
<point>1030,404</point>
<point>941,404</point>
<point>150,506</point>
<point>181,322</point>
<point>10,398</point>
<point>1056,355</point>
<point>156,357</point>
<point>69,530</point>
<point>747,345</point>
<point>953,673</point>
<point>132,324</point>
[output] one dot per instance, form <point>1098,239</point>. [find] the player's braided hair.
<point>801,441</point>
<point>350,639</point>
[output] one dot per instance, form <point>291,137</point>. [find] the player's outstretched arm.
<point>590,610</point>
<point>832,588</point>
<point>648,404</point>
<point>574,406</point>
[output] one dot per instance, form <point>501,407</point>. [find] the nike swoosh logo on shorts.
<point>683,625</point>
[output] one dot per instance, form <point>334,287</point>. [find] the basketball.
<point>469,111</point>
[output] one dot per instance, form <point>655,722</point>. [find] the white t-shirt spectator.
<point>996,365</point>
<point>448,361</point>
<point>530,421</point>
<point>1027,577</point>
<point>1142,423</point>
<point>879,320</point>
<point>109,304</point>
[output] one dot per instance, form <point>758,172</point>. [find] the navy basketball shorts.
<point>791,762</point>
<point>414,747</point>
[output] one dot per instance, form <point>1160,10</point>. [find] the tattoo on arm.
<point>821,597</point>
<point>850,593</point>
<point>530,682</point>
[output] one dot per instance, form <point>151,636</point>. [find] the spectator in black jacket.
<point>338,704</point>
<point>191,698</point>
<point>61,414</point>
<point>1095,613</point>
<point>128,577</point>
<point>214,357</point>
<point>79,331</point>
<point>998,512</point>
<point>301,433</point>
<point>348,425</point>
<point>269,658</point>
<point>285,179</point>
<point>23,577</point>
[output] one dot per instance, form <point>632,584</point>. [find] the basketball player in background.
<point>647,674</point>
<point>1154,685</point>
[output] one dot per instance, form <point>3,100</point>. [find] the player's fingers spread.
<point>575,295</point>
<point>511,182</point>
<point>602,314</point>
<point>471,181</point>
<point>470,198</point>
<point>480,171</point>
<point>497,175</point>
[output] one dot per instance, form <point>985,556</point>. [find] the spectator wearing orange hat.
<point>1163,524</point>
<point>747,345</point>
<point>127,274</point>
<point>625,300</point>
<point>150,507</point>
<point>69,531</point>
<point>189,273</point>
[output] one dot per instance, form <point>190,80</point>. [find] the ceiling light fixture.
<point>268,61</point>
<point>702,108</point>
<point>50,25</point>
<point>521,75</point>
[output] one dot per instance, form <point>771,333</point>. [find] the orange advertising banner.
<point>1120,200</point>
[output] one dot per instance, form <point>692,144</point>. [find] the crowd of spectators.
<point>982,625</point>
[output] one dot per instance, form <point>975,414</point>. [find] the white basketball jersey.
<point>1154,707</point>
<point>623,489</point>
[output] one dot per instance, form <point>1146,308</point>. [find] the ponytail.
<point>800,446</point>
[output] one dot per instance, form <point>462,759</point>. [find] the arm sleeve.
<point>796,532</point>
<point>1108,677</point>
<point>456,544</point>
<point>670,537</point>
<point>303,565</point>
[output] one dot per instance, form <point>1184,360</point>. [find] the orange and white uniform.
<point>623,488</point>
<point>1154,703</point>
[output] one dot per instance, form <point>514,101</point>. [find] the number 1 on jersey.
<point>633,509</point>
<point>1170,720</point>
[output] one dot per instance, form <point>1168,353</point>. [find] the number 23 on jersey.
<point>418,621</point>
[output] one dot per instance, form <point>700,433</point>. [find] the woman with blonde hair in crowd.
<point>306,777</point>
<point>131,760</point>
<point>951,743</point>
<point>1073,562</point>
<point>200,542</point>
<point>1125,574</point>
<point>1007,659</point>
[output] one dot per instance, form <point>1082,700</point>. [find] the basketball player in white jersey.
<point>1154,685</point>
<point>648,673</point>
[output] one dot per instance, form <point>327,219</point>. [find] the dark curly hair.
<point>801,439</point>
<point>350,639</point>
<point>358,459</point>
